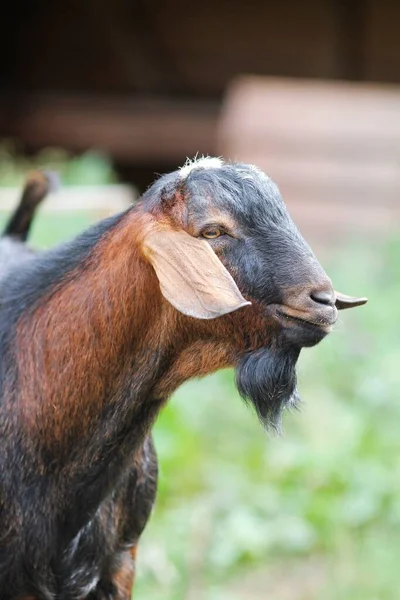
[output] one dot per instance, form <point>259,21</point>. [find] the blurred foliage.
<point>90,168</point>
<point>311,515</point>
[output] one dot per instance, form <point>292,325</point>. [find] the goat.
<point>206,271</point>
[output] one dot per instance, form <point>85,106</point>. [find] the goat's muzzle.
<point>308,314</point>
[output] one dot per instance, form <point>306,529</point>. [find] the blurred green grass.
<point>311,515</point>
<point>89,168</point>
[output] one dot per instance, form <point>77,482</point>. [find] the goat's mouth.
<point>305,328</point>
<point>324,323</point>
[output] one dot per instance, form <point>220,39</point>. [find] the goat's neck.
<point>92,351</point>
<point>97,357</point>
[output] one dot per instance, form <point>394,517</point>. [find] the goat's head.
<point>222,243</point>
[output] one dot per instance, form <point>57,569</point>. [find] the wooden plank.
<point>317,217</point>
<point>314,134</point>
<point>131,129</point>
<point>304,177</point>
<point>350,114</point>
<point>333,149</point>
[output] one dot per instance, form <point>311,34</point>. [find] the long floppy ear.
<point>191,276</point>
<point>343,301</point>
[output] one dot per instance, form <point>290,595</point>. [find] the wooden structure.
<point>147,81</point>
<point>145,78</point>
<point>334,148</point>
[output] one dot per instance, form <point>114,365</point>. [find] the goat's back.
<point>13,254</point>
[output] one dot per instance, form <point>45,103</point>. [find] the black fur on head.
<point>293,303</point>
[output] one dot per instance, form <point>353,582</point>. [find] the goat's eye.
<point>212,233</point>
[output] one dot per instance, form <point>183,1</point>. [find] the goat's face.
<point>234,212</point>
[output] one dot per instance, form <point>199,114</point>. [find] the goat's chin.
<point>266,378</point>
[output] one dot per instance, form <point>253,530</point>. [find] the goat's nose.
<point>325,296</point>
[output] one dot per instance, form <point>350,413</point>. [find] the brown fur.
<point>94,305</point>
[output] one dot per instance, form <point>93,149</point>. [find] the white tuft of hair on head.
<point>257,171</point>
<point>204,162</point>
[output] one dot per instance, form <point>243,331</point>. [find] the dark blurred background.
<point>151,82</point>
<point>113,93</point>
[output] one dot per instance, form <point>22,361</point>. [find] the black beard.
<point>267,379</point>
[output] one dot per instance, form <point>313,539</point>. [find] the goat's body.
<point>42,561</point>
<point>67,530</point>
<point>96,334</point>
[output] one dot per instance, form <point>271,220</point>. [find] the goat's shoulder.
<point>25,281</point>
<point>13,255</point>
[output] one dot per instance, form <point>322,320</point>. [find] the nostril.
<point>326,297</point>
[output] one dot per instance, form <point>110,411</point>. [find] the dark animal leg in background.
<point>38,185</point>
